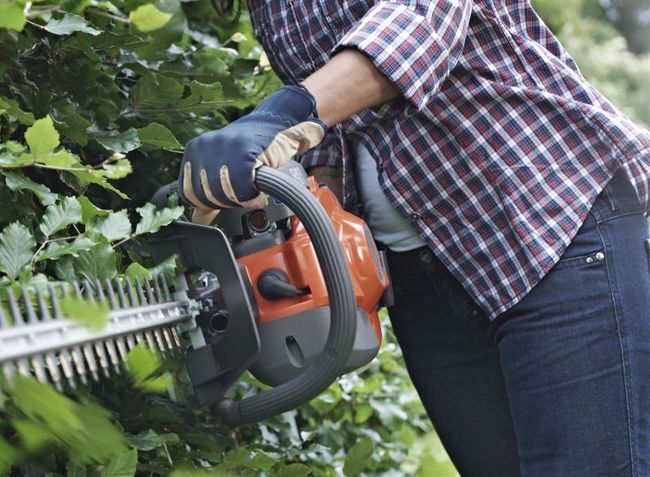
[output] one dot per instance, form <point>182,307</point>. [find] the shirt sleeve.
<point>414,43</point>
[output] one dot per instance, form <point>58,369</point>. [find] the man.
<point>511,197</point>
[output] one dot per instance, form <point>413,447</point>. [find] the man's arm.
<point>346,85</point>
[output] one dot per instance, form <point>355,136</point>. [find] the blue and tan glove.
<point>218,169</point>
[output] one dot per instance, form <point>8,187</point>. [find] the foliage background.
<point>96,100</point>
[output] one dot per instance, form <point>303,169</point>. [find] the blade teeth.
<point>42,305</point>
<point>16,315</point>
<point>160,341</point>
<point>165,288</point>
<point>142,299</point>
<point>122,348</point>
<point>112,298</point>
<point>76,288</point>
<point>177,339</point>
<point>87,290</point>
<point>151,292</point>
<point>29,307</point>
<point>23,366</point>
<point>168,338</point>
<point>130,342</point>
<point>102,358</point>
<point>39,369</point>
<point>130,291</point>
<point>67,365</point>
<point>157,290</point>
<point>54,298</point>
<point>120,292</point>
<point>99,289</point>
<point>113,356</point>
<point>91,361</point>
<point>3,319</point>
<point>9,371</point>
<point>79,366</point>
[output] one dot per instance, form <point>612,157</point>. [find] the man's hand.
<point>218,169</point>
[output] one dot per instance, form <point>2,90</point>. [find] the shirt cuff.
<point>415,52</point>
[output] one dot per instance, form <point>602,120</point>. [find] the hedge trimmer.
<point>289,292</point>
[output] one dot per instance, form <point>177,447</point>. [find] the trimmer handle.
<point>331,363</point>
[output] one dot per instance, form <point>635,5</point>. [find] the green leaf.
<point>123,465</point>
<point>155,92</point>
<point>92,314</point>
<point>11,107</point>
<point>204,98</point>
<point>61,248</point>
<point>98,178</point>
<point>42,137</point>
<point>98,263</point>
<point>358,456</point>
<point>70,123</point>
<point>146,369</point>
<point>115,226</point>
<point>148,18</point>
<point>153,219</point>
<point>69,24</point>
<point>17,181</point>
<point>150,440</point>
<point>16,249</point>
<point>293,470</point>
<point>90,210</point>
<point>12,15</point>
<point>75,470</point>
<point>158,136</point>
<point>135,270</point>
<point>124,141</point>
<point>117,169</point>
<point>59,216</point>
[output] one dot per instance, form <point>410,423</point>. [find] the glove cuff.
<point>293,103</point>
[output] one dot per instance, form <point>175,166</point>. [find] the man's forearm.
<point>347,84</point>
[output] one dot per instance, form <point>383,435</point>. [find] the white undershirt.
<point>385,222</point>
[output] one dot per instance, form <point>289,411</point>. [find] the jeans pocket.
<point>586,248</point>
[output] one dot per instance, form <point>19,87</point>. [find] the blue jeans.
<point>559,385</point>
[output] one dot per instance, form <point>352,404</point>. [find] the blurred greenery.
<point>96,100</point>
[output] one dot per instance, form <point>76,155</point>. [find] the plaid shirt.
<point>496,148</point>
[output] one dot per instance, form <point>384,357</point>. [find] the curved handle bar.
<point>331,362</point>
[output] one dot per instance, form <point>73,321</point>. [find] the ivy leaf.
<point>153,219</point>
<point>42,137</point>
<point>16,249</point>
<point>12,15</point>
<point>17,181</point>
<point>59,216</point>
<point>69,24</point>
<point>148,18</point>
<point>358,456</point>
<point>124,141</point>
<point>158,136</point>
<point>56,250</point>
<point>115,226</point>
<point>98,263</point>
<point>90,210</point>
<point>92,314</point>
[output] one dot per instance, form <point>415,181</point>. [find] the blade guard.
<point>182,238</point>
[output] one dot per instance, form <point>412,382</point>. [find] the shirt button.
<point>426,256</point>
<point>415,216</point>
<point>380,168</point>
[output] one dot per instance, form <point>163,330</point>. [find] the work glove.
<point>218,169</point>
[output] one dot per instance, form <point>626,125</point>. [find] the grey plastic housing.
<point>292,343</point>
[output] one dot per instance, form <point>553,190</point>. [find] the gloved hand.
<point>218,169</point>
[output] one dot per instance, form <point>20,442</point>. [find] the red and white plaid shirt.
<point>497,147</point>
